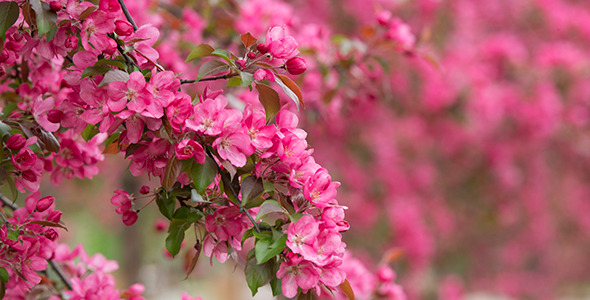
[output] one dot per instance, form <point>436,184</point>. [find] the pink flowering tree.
<point>81,80</point>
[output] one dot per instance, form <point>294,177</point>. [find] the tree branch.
<point>127,14</point>
<point>226,76</point>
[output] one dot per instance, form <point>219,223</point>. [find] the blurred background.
<point>459,130</point>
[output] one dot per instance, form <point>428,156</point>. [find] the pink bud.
<point>72,42</point>
<point>54,216</point>
<point>44,203</point>
<point>16,142</point>
<point>383,17</point>
<point>262,48</point>
<point>123,28</point>
<point>111,48</point>
<point>51,234</point>
<point>251,55</point>
<point>160,225</point>
<point>296,65</point>
<point>55,6</point>
<point>4,55</point>
<point>54,115</point>
<point>144,190</point>
<point>241,62</point>
<point>28,175</point>
<point>129,218</point>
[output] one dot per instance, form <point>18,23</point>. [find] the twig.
<point>60,273</point>
<point>55,267</point>
<point>127,14</point>
<point>226,76</point>
<point>227,182</point>
<point>7,202</point>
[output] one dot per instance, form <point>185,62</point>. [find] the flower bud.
<point>51,234</point>
<point>72,42</point>
<point>55,6</point>
<point>262,48</point>
<point>4,55</point>
<point>44,203</point>
<point>251,55</point>
<point>54,115</point>
<point>111,48</point>
<point>296,65</point>
<point>54,216</point>
<point>28,175</point>
<point>16,142</point>
<point>144,190</point>
<point>160,225</point>
<point>123,28</point>
<point>129,218</point>
<point>241,63</point>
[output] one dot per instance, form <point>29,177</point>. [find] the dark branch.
<point>127,14</point>
<point>226,76</point>
<point>7,202</point>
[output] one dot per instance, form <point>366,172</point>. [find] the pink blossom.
<point>234,146</point>
<point>190,149</point>
<point>295,273</point>
<point>301,235</point>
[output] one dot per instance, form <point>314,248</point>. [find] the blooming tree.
<point>81,80</point>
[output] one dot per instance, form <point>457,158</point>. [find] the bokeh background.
<point>459,130</point>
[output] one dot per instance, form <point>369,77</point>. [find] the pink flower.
<point>297,273</point>
<point>188,149</point>
<point>234,146</point>
<point>131,94</point>
<point>320,189</point>
<point>281,45</point>
<point>301,235</point>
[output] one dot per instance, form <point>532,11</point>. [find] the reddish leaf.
<point>392,255</point>
<point>347,289</point>
<point>293,87</point>
<point>248,39</point>
<point>48,223</point>
<point>269,99</point>
<point>171,174</point>
<point>194,260</point>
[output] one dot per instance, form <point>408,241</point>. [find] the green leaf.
<point>221,53</point>
<point>165,205</point>
<point>4,128</point>
<point>89,132</point>
<point>91,71</point>
<point>12,235</point>
<point>113,137</point>
<point>176,236</point>
<point>203,174</point>
<point>252,187</point>
<point>257,275</point>
<point>111,62</point>
<point>181,213</point>
<point>212,67</point>
<point>46,18</point>
<point>276,285</point>
<point>234,81</point>
<point>268,248</point>
<point>201,50</point>
<point>269,99</point>
<point>194,215</point>
<point>246,78</point>
<point>3,274</point>
<point>9,13</point>
<point>9,108</point>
